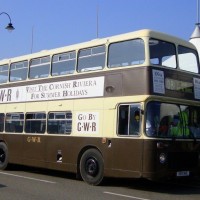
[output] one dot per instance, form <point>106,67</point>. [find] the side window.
<point>14,122</point>
<point>188,59</point>
<point>39,67</point>
<point>18,71</point>
<point>2,117</point>
<point>129,119</point>
<point>59,123</point>
<point>3,73</point>
<point>91,59</point>
<point>126,53</point>
<point>63,64</point>
<point>35,122</point>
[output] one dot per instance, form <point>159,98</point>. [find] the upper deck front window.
<point>126,53</point>
<point>187,59</point>
<point>162,53</point>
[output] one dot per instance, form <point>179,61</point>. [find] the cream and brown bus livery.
<point>122,106</point>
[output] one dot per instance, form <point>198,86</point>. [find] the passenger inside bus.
<point>179,126</point>
<point>134,122</point>
<point>129,120</point>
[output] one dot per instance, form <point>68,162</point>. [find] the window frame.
<point>39,65</point>
<point>14,120</point>
<point>126,64</point>
<point>81,69</point>
<point>1,70</point>
<point>24,68</point>
<point>34,120</point>
<point>160,62</point>
<point>126,126</point>
<point>191,51</point>
<point>2,125</point>
<point>63,61</point>
<point>66,119</point>
<point>176,121</point>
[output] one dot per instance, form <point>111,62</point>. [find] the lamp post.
<point>9,27</point>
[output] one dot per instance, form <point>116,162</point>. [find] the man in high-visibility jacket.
<point>180,125</point>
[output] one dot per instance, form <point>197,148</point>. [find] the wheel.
<point>3,156</point>
<point>92,167</point>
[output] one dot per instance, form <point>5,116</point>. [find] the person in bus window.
<point>180,125</point>
<point>134,123</point>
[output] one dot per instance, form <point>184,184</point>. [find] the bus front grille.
<point>182,160</point>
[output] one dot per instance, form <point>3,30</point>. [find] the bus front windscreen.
<point>170,120</point>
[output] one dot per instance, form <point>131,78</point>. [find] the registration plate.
<point>183,173</point>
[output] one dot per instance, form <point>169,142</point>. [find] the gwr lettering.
<point>86,127</point>
<point>5,95</point>
<point>94,126</point>
<point>87,122</point>
<point>34,139</point>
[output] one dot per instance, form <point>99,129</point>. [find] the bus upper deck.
<point>167,63</point>
<point>139,48</point>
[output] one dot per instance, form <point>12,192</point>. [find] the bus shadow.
<point>181,187</point>
<point>36,170</point>
<point>2,186</point>
<point>178,187</point>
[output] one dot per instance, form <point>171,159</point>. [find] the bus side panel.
<point>34,150</point>
<point>14,143</point>
<point>63,153</point>
<point>149,159</point>
<point>122,157</point>
<point>125,157</point>
<point>135,81</point>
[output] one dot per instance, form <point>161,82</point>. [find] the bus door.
<point>127,147</point>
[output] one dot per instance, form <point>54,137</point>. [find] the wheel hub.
<point>2,156</point>
<point>92,167</point>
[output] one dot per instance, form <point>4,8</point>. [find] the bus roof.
<point>100,41</point>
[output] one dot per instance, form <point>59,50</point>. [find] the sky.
<point>47,24</point>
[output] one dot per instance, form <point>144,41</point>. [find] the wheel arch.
<point>3,141</point>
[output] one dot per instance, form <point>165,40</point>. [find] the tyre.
<point>3,156</point>
<point>92,167</point>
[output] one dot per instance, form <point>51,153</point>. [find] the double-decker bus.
<point>123,106</point>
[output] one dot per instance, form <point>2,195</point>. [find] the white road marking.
<point>126,196</point>
<point>29,178</point>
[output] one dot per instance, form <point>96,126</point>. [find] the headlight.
<point>163,158</point>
